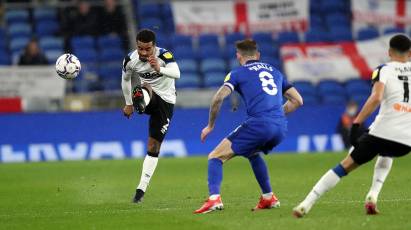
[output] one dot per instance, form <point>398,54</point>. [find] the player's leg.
<point>149,166</point>
<point>381,169</point>
<point>268,199</point>
<point>161,113</point>
<point>216,158</point>
<point>367,149</point>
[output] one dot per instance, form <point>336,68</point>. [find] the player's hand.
<point>128,110</point>
<point>355,133</point>
<point>154,63</point>
<point>204,133</point>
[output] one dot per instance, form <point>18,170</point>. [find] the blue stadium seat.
<point>111,55</point>
<point>18,44</point>
<point>190,80</point>
<point>16,16</point>
<point>214,79</point>
<point>310,100</point>
<point>53,54</point>
<point>330,87</point>
<point>394,30</point>
<point>166,10</point>
<point>367,33</point>
<point>184,52</point>
<point>47,28</point>
<point>209,52</point>
<point>287,37</point>
<point>80,42</point>
<point>357,86</point>
<point>178,40</point>
<point>337,19</point>
<point>273,61</point>
<point>316,21</point>
<point>18,30</point>
<point>306,88</point>
<point>262,37</point>
<point>47,43</point>
<point>268,50</point>
<point>109,41</point>
<point>315,6</point>
<point>188,66</point>
<point>233,63</point>
<point>40,14</point>
<point>231,38</point>
<point>4,58</point>
<point>334,99</point>
<point>212,65</point>
<point>360,99</point>
<point>331,6</point>
<point>229,52</point>
<point>340,34</point>
<point>148,10</point>
<point>151,23</point>
<point>87,55</point>
<point>208,40</point>
<point>316,36</point>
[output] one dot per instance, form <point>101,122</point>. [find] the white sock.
<point>214,196</point>
<point>381,170</point>
<point>267,196</point>
<point>146,96</point>
<point>327,182</point>
<point>149,165</point>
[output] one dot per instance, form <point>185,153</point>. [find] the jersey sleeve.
<point>231,80</point>
<point>285,85</point>
<point>380,74</point>
<point>166,56</point>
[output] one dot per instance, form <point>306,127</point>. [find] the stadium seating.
<point>357,86</point>
<point>231,38</point>
<point>212,65</point>
<point>47,28</point>
<point>41,14</point>
<point>263,38</point>
<point>367,33</point>
<point>47,43</point>
<point>287,37</point>
<point>16,16</point>
<point>334,99</point>
<point>214,79</point>
<point>208,40</point>
<point>330,87</point>
<point>393,30</point>
<point>82,42</point>
<point>189,80</point>
<point>188,66</point>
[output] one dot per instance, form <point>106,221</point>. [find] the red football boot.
<point>273,202</point>
<point>210,205</point>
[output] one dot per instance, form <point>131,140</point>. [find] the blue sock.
<point>260,172</point>
<point>215,175</point>
<point>339,170</point>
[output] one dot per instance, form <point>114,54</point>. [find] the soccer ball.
<point>68,66</point>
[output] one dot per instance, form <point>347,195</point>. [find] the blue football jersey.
<point>261,86</point>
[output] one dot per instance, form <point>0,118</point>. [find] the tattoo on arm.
<point>216,102</point>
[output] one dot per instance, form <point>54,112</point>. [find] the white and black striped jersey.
<point>393,121</point>
<point>162,83</point>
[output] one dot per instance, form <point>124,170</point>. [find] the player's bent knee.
<point>349,164</point>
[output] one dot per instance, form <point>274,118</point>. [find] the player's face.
<point>145,50</point>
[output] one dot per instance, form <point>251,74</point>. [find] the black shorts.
<point>160,113</point>
<point>370,146</point>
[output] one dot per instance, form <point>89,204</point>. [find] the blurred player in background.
<point>262,88</point>
<point>389,134</point>
<point>154,70</point>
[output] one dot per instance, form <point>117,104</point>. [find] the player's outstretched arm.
<point>294,100</point>
<point>372,103</point>
<point>126,87</point>
<point>216,102</point>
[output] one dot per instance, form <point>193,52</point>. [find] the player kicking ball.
<point>262,87</point>
<point>389,134</point>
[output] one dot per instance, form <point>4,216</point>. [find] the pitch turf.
<point>97,195</point>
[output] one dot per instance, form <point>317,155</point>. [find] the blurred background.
<point>326,48</point>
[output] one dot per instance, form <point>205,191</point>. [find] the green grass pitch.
<point>97,195</point>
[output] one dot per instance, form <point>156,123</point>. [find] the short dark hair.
<point>146,36</point>
<point>247,47</point>
<point>400,43</point>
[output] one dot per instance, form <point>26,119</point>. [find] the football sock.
<point>149,165</point>
<point>214,197</point>
<point>267,196</point>
<point>260,172</point>
<point>381,170</point>
<point>215,175</point>
<point>328,181</point>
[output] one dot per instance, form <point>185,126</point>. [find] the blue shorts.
<point>256,134</point>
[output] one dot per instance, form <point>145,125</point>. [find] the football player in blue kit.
<point>262,87</point>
